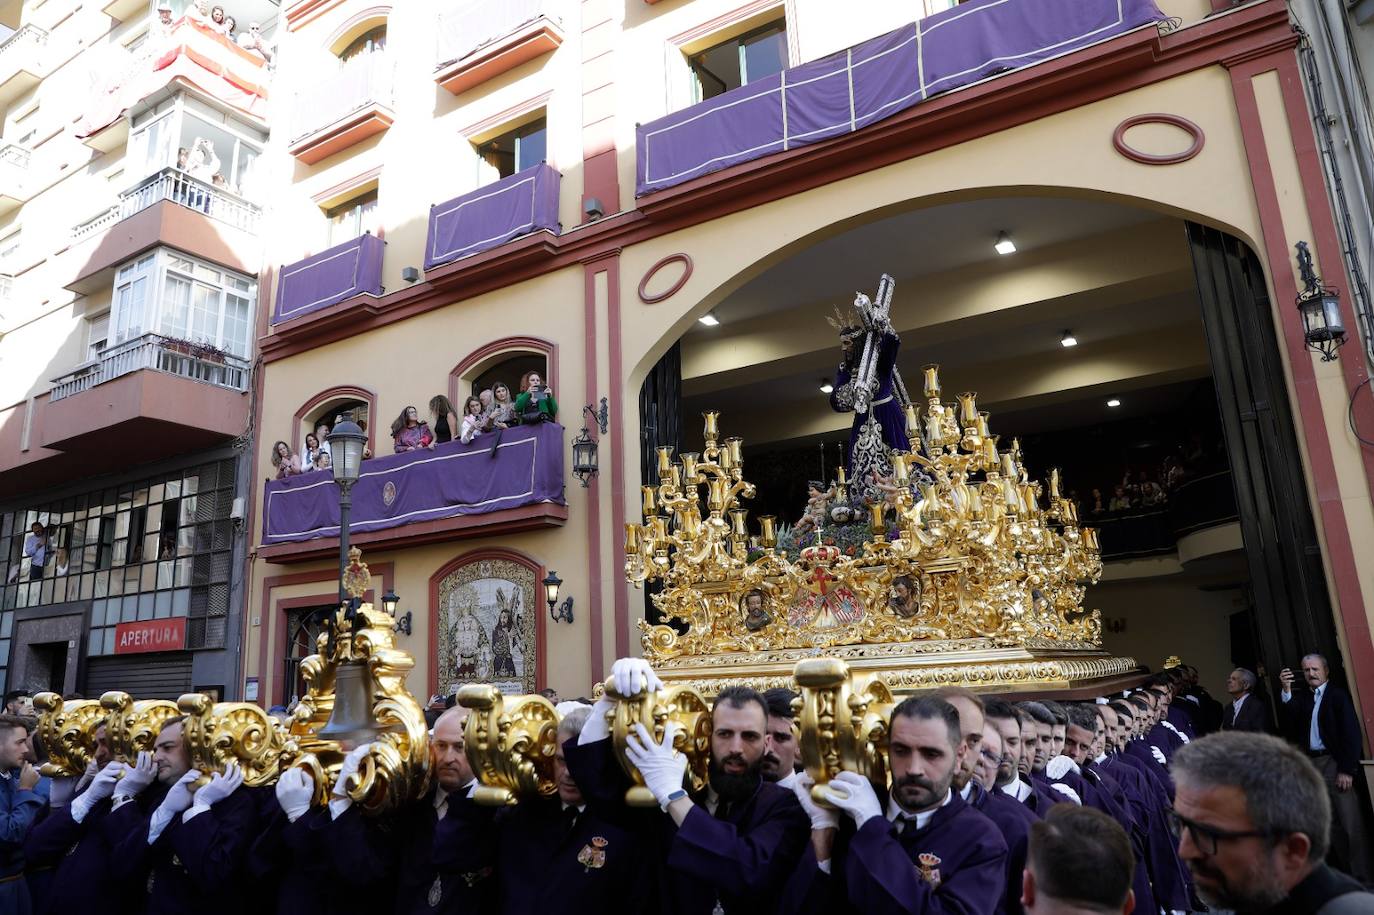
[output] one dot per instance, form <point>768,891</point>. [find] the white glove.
<point>1067,792</point>
<point>295,790</point>
<point>339,801</point>
<point>63,789</point>
<point>634,675</point>
<point>661,766</point>
<point>854,794</point>
<point>598,726</point>
<point>136,777</point>
<point>1159,755</point>
<point>102,786</point>
<point>220,786</point>
<point>821,818</point>
<point>177,801</point>
<point>1060,766</point>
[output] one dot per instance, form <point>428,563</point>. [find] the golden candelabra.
<point>972,572</point>
<point>510,744</point>
<point>67,729</point>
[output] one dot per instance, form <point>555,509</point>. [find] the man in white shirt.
<point>36,550</point>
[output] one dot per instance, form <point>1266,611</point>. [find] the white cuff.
<point>1067,792</point>
<point>824,865</point>
<point>119,801</point>
<point>337,806</point>
<point>157,823</point>
<point>194,812</point>
<point>79,809</point>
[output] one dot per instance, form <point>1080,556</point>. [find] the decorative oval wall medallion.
<point>388,493</point>
<point>654,298</point>
<point>1192,130</point>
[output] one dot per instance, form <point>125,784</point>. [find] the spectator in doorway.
<point>1121,501</point>
<point>311,452</point>
<point>36,550</point>
<point>535,403</point>
<point>410,432</point>
<point>445,418</point>
<point>287,464</point>
<point>474,420</point>
<point>1247,711</point>
<point>503,414</point>
<point>19,703</point>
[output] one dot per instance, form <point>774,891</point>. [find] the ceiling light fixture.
<point>709,319</point>
<point>1068,339</point>
<point>826,386</point>
<point>1004,244</point>
<point>1113,402</point>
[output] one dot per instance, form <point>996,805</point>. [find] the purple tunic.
<point>1014,820</point>
<point>955,865</point>
<point>1167,879</point>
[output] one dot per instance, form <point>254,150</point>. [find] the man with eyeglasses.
<point>1252,818</point>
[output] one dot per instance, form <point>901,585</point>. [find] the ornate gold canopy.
<point>971,572</point>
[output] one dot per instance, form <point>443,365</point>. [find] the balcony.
<point>350,106</point>
<point>169,208</point>
<point>499,484</point>
<point>14,175</point>
<point>489,216</point>
<point>849,90</point>
<point>144,400</point>
<point>479,40</point>
<point>1202,503</point>
<point>124,9</point>
<point>330,277</point>
<point>21,62</point>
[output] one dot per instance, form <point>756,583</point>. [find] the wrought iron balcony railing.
<point>162,354</point>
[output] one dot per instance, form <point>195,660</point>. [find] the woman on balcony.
<point>445,418</point>
<point>535,403</point>
<point>410,432</point>
<point>503,414</point>
<point>474,420</point>
<point>287,464</point>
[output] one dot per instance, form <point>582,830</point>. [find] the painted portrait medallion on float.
<point>486,626</point>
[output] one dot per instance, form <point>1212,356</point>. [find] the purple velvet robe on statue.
<point>887,412</point>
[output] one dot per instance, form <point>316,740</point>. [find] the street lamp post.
<point>346,443</point>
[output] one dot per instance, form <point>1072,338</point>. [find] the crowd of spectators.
<point>220,22</point>
<point>488,411</point>
<point>1148,488</point>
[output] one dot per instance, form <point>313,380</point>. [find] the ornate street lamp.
<point>585,465</point>
<point>1320,307</point>
<point>346,443</point>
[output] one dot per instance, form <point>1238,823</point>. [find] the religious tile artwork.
<point>486,626</point>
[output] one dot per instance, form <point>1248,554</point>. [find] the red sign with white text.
<point>151,635</point>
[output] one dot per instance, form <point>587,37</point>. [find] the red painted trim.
<point>280,609</point>
<point>1105,70</point>
<point>462,527</point>
<point>1330,511</point>
<point>1195,132</point>
<point>593,490</point>
<point>621,600</point>
<point>540,638</point>
<point>305,11</point>
<point>340,135</point>
<point>269,643</point>
<point>505,54</point>
<point>511,345</point>
<point>337,392</point>
<point>655,298</point>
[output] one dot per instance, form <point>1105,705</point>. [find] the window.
<point>199,140</point>
<point>97,335</point>
<point>352,218</point>
<point>739,61</point>
<point>514,151</point>
<point>9,247</point>
<point>369,42</point>
<point>187,299</point>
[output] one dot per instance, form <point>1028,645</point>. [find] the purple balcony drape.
<point>331,276</point>
<point>853,88</point>
<point>484,218</point>
<point>453,479</point>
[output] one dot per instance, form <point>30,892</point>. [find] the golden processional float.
<point>356,693</point>
<point>969,573</point>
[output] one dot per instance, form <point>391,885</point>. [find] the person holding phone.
<point>1322,722</point>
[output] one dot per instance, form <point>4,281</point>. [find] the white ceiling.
<point>920,242</point>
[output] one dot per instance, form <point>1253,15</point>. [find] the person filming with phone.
<point>1322,722</point>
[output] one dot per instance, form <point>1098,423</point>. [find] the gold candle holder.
<point>727,460</point>
<point>689,466</point>
<point>738,528</point>
<point>989,453</point>
<point>901,471</point>
<point>913,421</point>
<point>675,477</point>
<point>631,539</point>
<point>711,431</point>
<point>735,446</point>
<point>648,493</point>
<point>1054,485</point>
<point>768,534</point>
<point>1008,465</point>
<point>715,498</point>
<point>932,381</point>
<point>968,408</point>
<point>665,459</point>
<point>876,522</point>
<point>981,425</point>
<point>839,475</point>
<point>660,530</point>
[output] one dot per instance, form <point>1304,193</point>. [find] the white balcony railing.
<point>178,187</point>
<point>19,49</point>
<point>472,24</point>
<point>159,353</point>
<point>14,168</point>
<point>365,80</point>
